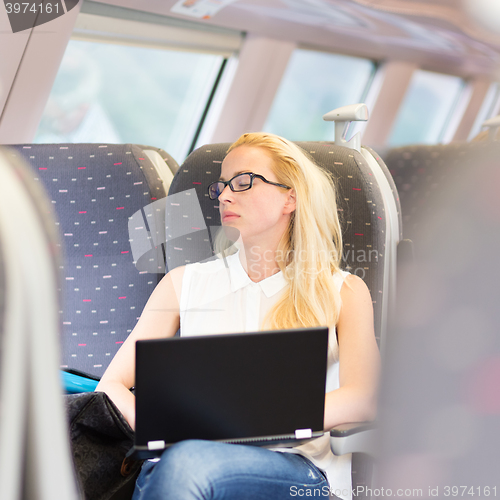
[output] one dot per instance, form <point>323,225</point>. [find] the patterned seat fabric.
<point>95,189</point>
<point>422,172</point>
<point>359,199</point>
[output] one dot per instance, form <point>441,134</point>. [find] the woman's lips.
<point>228,216</point>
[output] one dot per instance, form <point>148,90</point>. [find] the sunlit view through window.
<point>123,94</point>
<point>489,109</point>
<point>427,107</point>
<point>315,83</point>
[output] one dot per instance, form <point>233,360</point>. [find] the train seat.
<point>361,204</point>
<point>164,163</point>
<point>95,190</point>
<point>421,172</point>
<point>35,460</point>
<point>365,197</point>
<point>441,379</point>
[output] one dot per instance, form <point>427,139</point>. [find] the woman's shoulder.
<point>354,284</point>
<point>342,274</point>
<point>173,277</point>
<point>339,277</point>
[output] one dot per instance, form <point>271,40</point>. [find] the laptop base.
<point>288,441</point>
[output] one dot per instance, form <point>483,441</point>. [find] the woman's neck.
<point>259,262</point>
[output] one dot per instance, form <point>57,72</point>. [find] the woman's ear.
<point>291,202</point>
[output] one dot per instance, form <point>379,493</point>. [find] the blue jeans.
<point>205,470</point>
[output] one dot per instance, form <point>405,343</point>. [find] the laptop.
<point>263,389</point>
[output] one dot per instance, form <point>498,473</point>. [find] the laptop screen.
<point>230,386</point>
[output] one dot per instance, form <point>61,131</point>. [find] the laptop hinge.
<point>303,433</point>
<point>156,445</point>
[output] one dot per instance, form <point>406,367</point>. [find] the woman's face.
<point>261,214</point>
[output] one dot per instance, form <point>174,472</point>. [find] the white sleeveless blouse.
<point>218,297</point>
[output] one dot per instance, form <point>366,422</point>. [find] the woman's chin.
<point>231,233</point>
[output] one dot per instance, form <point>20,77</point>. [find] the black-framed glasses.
<point>240,182</point>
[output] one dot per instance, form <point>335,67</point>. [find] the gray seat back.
<point>421,173</point>
<point>112,234</point>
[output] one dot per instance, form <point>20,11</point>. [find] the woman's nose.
<point>226,193</point>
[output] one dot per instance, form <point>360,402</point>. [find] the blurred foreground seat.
<point>440,409</point>
<point>35,460</point>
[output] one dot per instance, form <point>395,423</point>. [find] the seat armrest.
<point>359,437</point>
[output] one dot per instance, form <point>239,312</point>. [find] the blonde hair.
<point>310,251</point>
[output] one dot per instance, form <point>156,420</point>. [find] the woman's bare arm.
<point>356,399</point>
<point>159,319</point>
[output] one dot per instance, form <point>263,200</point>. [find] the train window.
<point>489,109</point>
<point>426,110</point>
<point>313,84</point>
<point>119,93</point>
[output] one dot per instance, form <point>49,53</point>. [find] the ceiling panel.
<point>433,33</point>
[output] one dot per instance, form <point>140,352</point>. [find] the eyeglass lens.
<point>241,182</point>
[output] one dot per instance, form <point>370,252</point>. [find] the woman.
<point>285,274</point>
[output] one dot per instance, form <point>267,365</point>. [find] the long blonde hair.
<point>310,251</point>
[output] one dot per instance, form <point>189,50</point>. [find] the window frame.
<point>453,115</point>
<point>366,95</point>
<point>104,24</point>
